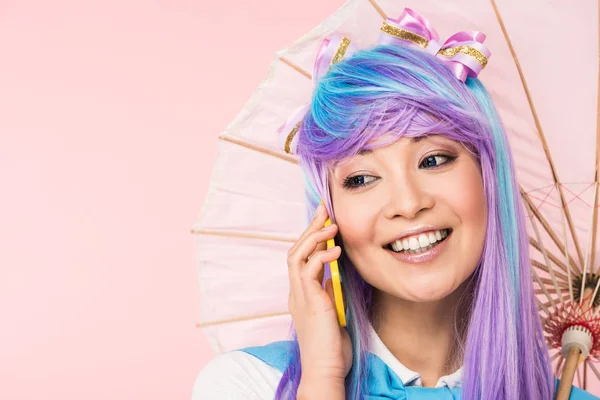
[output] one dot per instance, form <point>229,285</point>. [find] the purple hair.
<point>405,92</point>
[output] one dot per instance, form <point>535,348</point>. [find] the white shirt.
<point>237,375</point>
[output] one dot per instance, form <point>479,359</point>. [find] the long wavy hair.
<point>404,92</point>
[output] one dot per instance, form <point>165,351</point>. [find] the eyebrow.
<point>413,140</point>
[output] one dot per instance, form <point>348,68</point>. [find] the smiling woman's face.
<point>431,182</point>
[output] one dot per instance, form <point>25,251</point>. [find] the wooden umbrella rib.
<point>587,267</point>
<point>239,319</point>
<point>546,258</point>
<point>243,235</point>
<point>539,129</point>
<point>550,290</point>
<point>551,256</point>
<point>597,171</point>
<point>558,369</point>
<point>593,368</point>
<point>543,267</point>
<point>566,242</point>
<point>543,306</point>
<point>296,67</point>
<point>378,8</point>
<point>555,356</point>
<point>595,218</point>
<point>585,368</point>
<point>544,289</point>
<point>548,304</point>
<point>548,228</point>
<point>250,146</point>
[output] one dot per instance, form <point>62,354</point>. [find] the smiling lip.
<point>417,231</point>
<point>421,257</point>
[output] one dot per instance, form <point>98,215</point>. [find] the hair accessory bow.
<point>332,50</point>
<point>462,53</point>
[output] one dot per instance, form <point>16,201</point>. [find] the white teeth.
<point>414,244</point>
<point>423,240</point>
<point>431,237</point>
<point>419,243</point>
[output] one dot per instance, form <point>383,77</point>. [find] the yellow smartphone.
<point>336,281</point>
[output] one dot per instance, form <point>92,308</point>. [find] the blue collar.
<point>382,382</point>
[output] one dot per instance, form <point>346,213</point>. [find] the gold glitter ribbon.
<point>468,50</point>
<point>337,57</point>
<point>341,51</point>
<point>290,137</point>
<point>423,42</point>
<point>406,35</point>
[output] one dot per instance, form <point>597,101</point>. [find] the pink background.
<point>109,113</point>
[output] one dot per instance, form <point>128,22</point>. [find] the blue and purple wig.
<point>399,91</point>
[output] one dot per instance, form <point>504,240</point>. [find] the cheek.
<point>463,192</point>
<point>355,223</point>
<point>468,201</point>
<point>473,202</point>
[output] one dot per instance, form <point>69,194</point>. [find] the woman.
<point>433,248</point>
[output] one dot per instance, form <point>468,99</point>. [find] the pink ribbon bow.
<point>462,53</point>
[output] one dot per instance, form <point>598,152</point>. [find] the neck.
<point>423,335</point>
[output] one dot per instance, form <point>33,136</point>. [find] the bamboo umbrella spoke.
<point>593,368</point>
<point>243,235</point>
<point>548,304</point>
<point>543,307</point>
<point>545,268</point>
<point>240,319</point>
<point>295,67</point>
<point>559,365</point>
<point>536,244</point>
<point>536,212</point>
<point>378,9</point>
<point>550,290</point>
<point>584,366</point>
<point>561,284</point>
<point>555,356</point>
<point>545,223</point>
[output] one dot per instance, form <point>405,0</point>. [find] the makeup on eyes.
<point>352,182</point>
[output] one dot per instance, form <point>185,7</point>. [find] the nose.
<point>407,197</point>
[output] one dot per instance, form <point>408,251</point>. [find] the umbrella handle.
<point>566,378</point>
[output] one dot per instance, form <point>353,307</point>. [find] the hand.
<point>325,347</point>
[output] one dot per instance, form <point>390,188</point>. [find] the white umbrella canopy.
<point>548,101</point>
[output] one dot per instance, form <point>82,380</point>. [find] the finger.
<point>308,276</point>
<point>298,260</point>
<point>321,274</point>
<point>317,223</point>
<point>315,265</point>
<point>314,242</point>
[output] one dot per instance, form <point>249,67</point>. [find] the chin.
<point>425,292</point>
